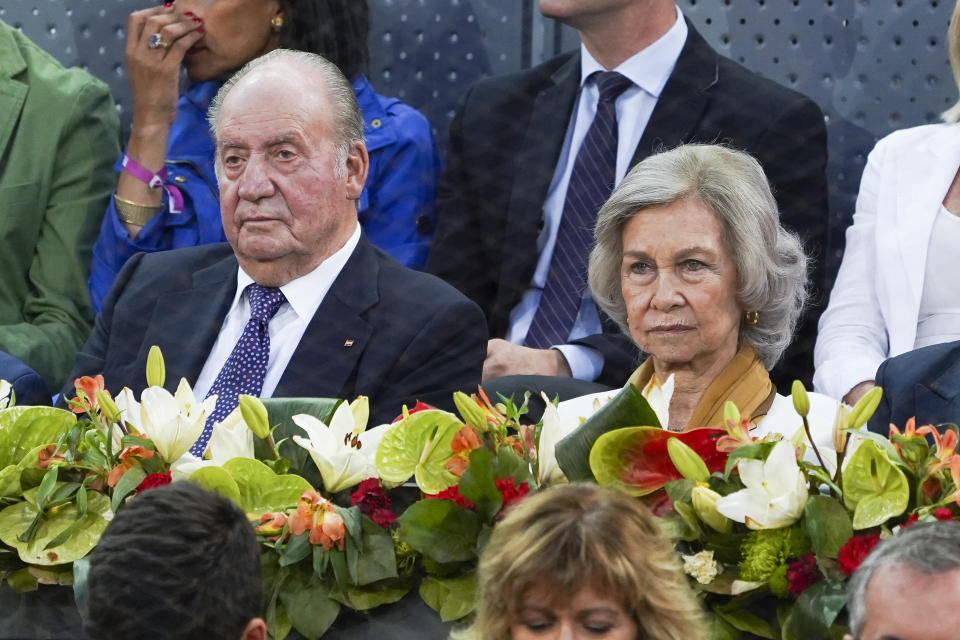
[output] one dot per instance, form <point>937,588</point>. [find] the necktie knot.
<point>611,84</point>
<point>264,301</point>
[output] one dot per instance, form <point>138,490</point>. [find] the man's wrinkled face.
<point>904,604</point>
<point>286,198</point>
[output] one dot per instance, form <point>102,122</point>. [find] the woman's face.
<point>587,615</point>
<point>235,32</point>
<point>679,283</point>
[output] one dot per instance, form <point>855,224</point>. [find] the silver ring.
<point>157,42</point>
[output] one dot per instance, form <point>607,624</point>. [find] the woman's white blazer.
<point>875,302</point>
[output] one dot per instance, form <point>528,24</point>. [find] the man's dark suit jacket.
<point>384,331</point>
<point>508,134</point>
<point>924,384</point>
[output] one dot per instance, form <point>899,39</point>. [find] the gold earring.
<point>752,317</point>
<point>276,23</point>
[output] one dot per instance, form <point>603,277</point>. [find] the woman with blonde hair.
<point>582,561</point>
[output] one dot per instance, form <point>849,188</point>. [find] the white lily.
<point>344,452</point>
<point>658,396</point>
<point>775,494</point>
<point>173,422</point>
<point>554,429</point>
<point>231,438</point>
<point>6,390</point>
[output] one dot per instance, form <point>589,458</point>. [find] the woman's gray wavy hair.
<point>771,264</point>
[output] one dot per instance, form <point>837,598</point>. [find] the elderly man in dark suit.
<point>533,155</point>
<point>299,303</point>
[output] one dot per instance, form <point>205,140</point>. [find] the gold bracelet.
<point>134,212</point>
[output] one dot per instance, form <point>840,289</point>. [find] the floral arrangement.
<point>768,529</point>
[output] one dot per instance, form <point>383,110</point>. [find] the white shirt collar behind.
<point>649,68</point>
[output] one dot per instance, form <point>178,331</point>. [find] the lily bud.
<point>156,371</point>
<point>470,411</point>
<point>687,461</point>
<point>705,504</point>
<point>108,407</point>
<point>800,400</point>
<point>254,413</point>
<point>865,407</point>
<point>360,408</point>
<point>840,432</point>
<point>731,417</point>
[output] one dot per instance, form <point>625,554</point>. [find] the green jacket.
<point>59,136</point>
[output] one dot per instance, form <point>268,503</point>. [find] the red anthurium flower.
<point>646,465</point>
<point>855,551</point>
<point>420,406</point>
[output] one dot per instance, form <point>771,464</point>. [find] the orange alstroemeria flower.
<point>86,402</point>
<point>946,445</point>
<point>464,441</point>
<point>46,456</point>
<point>317,515</point>
<point>128,459</point>
<point>955,475</point>
<point>271,524</point>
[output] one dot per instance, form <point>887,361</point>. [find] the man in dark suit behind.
<point>922,384</point>
<point>291,164</point>
<point>514,139</point>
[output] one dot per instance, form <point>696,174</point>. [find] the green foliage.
<point>441,530</point>
<point>419,446</point>
<point>260,489</point>
<point>216,480</point>
<point>815,611</point>
<point>452,598</point>
<point>828,525</point>
<point>874,487</point>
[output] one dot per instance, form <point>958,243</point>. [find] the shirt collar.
<point>649,68</point>
<point>305,294</point>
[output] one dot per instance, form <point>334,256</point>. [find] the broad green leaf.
<point>718,629</point>
<point>743,620</point>
<point>218,481</point>
<point>828,525</point>
<point>874,487</point>
<point>261,490</point>
<point>372,596</point>
<point>511,465</point>
<point>25,428</point>
<point>815,611</point>
<point>10,481</point>
<point>419,446</point>
<point>16,518</point>
<point>477,484</point>
<point>22,581</point>
<point>441,530</point>
<point>378,560</point>
<point>126,485</point>
<point>309,606</point>
<point>280,412</point>
<point>452,598</point>
<point>627,409</point>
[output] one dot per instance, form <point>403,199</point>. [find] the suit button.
<point>424,224</point>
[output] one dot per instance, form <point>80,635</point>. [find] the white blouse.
<point>939,318</point>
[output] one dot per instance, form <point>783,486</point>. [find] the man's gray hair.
<point>929,548</point>
<point>349,121</point>
<point>771,264</point>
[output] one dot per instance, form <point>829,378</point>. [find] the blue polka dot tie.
<point>245,369</point>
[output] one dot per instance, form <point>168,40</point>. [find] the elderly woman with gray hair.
<point>691,261</point>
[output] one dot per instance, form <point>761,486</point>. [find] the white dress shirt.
<point>939,318</point>
<point>649,70</point>
<point>303,295</point>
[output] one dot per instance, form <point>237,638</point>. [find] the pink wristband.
<point>154,180</point>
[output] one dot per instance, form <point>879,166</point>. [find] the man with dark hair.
<point>533,155</point>
<point>909,586</point>
<point>177,562</point>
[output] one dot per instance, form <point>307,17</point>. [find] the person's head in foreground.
<point>908,588</point>
<point>177,563</point>
<point>582,561</point>
<point>290,162</point>
<point>691,261</point>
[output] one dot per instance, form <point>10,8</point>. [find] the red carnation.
<point>510,491</point>
<point>373,502</point>
<point>802,573</point>
<point>154,480</point>
<point>451,493</point>
<point>940,513</point>
<point>383,517</point>
<point>855,550</point>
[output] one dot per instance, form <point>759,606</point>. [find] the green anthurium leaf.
<point>419,446</point>
<point>627,409</point>
<point>308,605</point>
<point>717,628</point>
<point>452,598</point>
<point>815,611</point>
<point>10,481</point>
<point>280,412</point>
<point>743,620</point>
<point>477,484</point>
<point>874,487</point>
<point>218,481</point>
<point>261,490</point>
<point>373,595</point>
<point>441,530</point>
<point>17,518</point>
<point>126,485</point>
<point>378,560</point>
<point>25,428</point>
<point>828,525</point>
<point>22,581</point>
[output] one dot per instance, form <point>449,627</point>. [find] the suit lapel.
<point>939,401</point>
<point>683,99</point>
<point>338,333</point>
<point>13,93</point>
<point>533,170</point>
<point>186,324</point>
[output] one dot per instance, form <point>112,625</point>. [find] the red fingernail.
<point>197,20</point>
<point>168,4</point>
<point>188,13</point>
<point>200,30</point>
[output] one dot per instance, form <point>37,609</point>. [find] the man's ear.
<point>256,630</point>
<point>357,165</point>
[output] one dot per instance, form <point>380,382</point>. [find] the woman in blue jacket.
<point>167,195</point>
